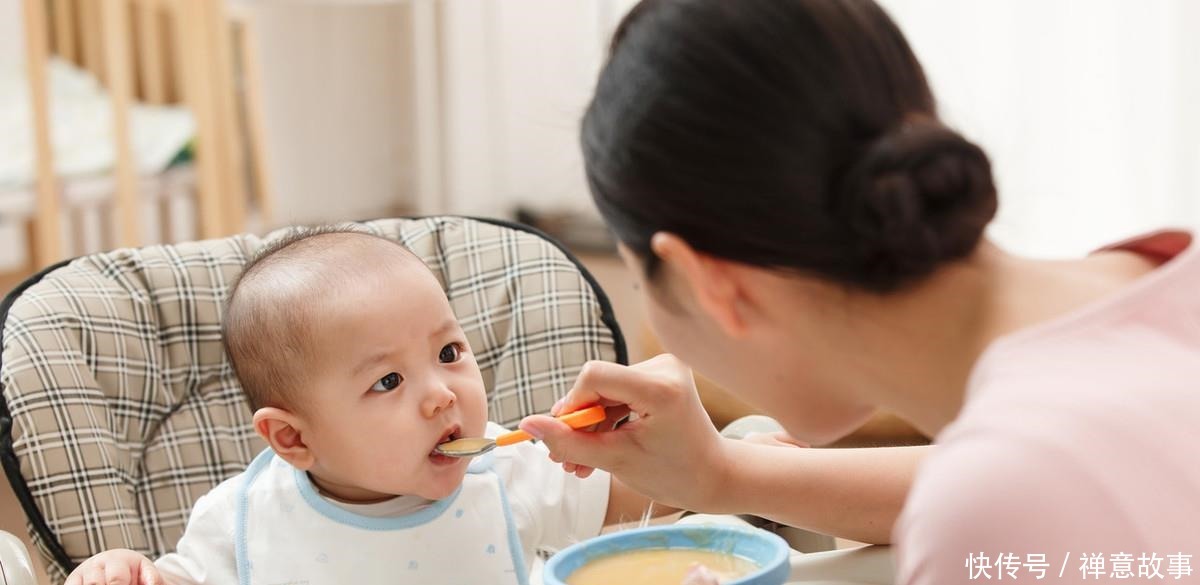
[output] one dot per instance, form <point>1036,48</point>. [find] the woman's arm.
<point>849,493</point>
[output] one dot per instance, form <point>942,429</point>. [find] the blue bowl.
<point>764,549</point>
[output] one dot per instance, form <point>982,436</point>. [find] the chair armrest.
<point>866,565</point>
<point>15,564</point>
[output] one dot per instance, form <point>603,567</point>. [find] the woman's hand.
<point>671,452</point>
<point>116,567</point>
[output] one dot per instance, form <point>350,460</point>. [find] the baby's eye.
<point>449,353</point>
<point>388,382</point>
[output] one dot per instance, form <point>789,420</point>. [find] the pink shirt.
<point>1079,440</point>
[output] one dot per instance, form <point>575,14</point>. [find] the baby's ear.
<point>281,430</point>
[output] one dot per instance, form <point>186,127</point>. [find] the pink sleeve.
<point>984,507</point>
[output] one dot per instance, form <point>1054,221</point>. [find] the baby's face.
<point>394,378</point>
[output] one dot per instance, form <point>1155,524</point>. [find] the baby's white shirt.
<point>550,510</point>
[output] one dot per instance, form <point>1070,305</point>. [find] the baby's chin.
<point>442,487</point>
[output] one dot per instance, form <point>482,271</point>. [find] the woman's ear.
<point>282,431</point>
<point>715,284</point>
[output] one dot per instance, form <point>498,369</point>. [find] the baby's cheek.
<point>388,446</point>
<point>474,403</point>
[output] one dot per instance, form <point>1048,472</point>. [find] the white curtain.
<point>1090,109</point>
<point>515,78</point>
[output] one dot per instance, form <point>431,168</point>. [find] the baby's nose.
<point>438,400</point>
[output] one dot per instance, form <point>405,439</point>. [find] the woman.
<point>808,234</point>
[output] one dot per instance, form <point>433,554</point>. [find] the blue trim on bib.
<point>240,549</point>
<point>422,516</point>
<point>342,516</point>
<point>514,539</point>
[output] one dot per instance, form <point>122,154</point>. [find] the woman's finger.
<point>591,449</point>
<point>641,387</point>
<point>94,575</point>
<point>149,574</point>
<point>117,573</point>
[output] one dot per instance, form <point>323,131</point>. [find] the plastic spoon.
<point>473,446</point>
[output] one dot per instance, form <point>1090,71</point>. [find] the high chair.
<point>120,408</point>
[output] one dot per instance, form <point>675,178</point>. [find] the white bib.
<point>467,538</point>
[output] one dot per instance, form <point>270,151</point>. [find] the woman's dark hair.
<point>792,134</point>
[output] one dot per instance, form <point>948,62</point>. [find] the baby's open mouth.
<point>451,434</point>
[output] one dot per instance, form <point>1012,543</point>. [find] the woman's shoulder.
<point>1138,348</point>
<point>1132,325</point>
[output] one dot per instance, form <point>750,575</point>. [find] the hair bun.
<point>919,195</point>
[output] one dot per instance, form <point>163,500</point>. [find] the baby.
<point>355,367</point>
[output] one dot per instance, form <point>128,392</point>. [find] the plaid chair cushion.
<point>120,409</point>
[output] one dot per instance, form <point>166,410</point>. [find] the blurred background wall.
<point>1084,106</point>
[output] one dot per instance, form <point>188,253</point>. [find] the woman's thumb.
<point>565,443</point>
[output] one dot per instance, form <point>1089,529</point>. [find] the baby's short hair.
<point>268,329</point>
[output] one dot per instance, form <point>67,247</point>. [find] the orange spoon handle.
<point>577,420</point>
